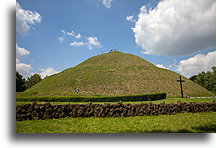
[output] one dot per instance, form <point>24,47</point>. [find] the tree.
<point>206,80</point>
<point>33,80</point>
<point>20,82</point>
<point>214,79</point>
<point>193,78</point>
<point>209,81</point>
<point>200,79</point>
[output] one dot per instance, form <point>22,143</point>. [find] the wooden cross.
<point>180,80</point>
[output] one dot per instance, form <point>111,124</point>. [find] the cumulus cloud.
<point>176,27</point>
<point>107,3</point>
<point>26,69</point>
<point>90,42</point>
<point>196,64</point>
<point>22,68</point>
<point>63,31</point>
<point>130,18</point>
<point>25,18</point>
<point>77,44</point>
<point>93,42</point>
<point>21,51</point>
<point>78,36</point>
<point>61,39</point>
<point>47,72</point>
<point>72,33</point>
<point>160,66</point>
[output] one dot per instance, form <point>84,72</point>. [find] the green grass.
<point>117,73</point>
<point>180,123</point>
<point>168,100</point>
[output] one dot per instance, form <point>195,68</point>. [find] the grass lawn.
<point>168,100</point>
<point>181,123</point>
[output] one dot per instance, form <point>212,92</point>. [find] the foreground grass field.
<point>180,123</point>
<point>168,100</point>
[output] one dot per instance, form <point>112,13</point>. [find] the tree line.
<point>23,84</point>
<point>206,79</point>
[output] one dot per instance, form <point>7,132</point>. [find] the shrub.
<point>127,98</point>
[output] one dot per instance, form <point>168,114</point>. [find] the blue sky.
<point>54,35</point>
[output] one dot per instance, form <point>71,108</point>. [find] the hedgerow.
<point>126,98</point>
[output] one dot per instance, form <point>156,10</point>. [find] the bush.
<point>144,97</point>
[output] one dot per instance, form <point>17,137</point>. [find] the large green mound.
<point>117,73</point>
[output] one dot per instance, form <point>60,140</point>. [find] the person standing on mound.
<point>76,90</point>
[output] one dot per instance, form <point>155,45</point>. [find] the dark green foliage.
<point>193,78</point>
<point>206,80</point>
<point>47,111</point>
<point>20,82</point>
<point>144,97</point>
<point>32,80</point>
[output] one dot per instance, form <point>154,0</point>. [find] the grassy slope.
<point>117,73</point>
<point>168,100</point>
<point>187,122</point>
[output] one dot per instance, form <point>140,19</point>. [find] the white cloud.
<point>196,64</point>
<point>22,68</point>
<point>47,72</point>
<point>93,42</point>
<point>161,66</point>
<point>25,18</point>
<point>63,31</point>
<point>173,66</point>
<point>78,36</point>
<point>145,52</point>
<point>77,44</point>
<point>26,69</point>
<point>176,27</point>
<point>72,33</point>
<point>107,3</point>
<point>130,18</point>
<point>61,39</point>
<point>21,51</point>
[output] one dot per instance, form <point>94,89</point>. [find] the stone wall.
<point>49,111</point>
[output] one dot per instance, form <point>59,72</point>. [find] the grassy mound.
<point>117,73</point>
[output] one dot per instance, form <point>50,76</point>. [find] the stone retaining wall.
<point>49,111</point>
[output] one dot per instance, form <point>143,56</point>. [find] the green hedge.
<point>144,97</point>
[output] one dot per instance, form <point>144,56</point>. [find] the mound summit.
<point>117,73</point>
